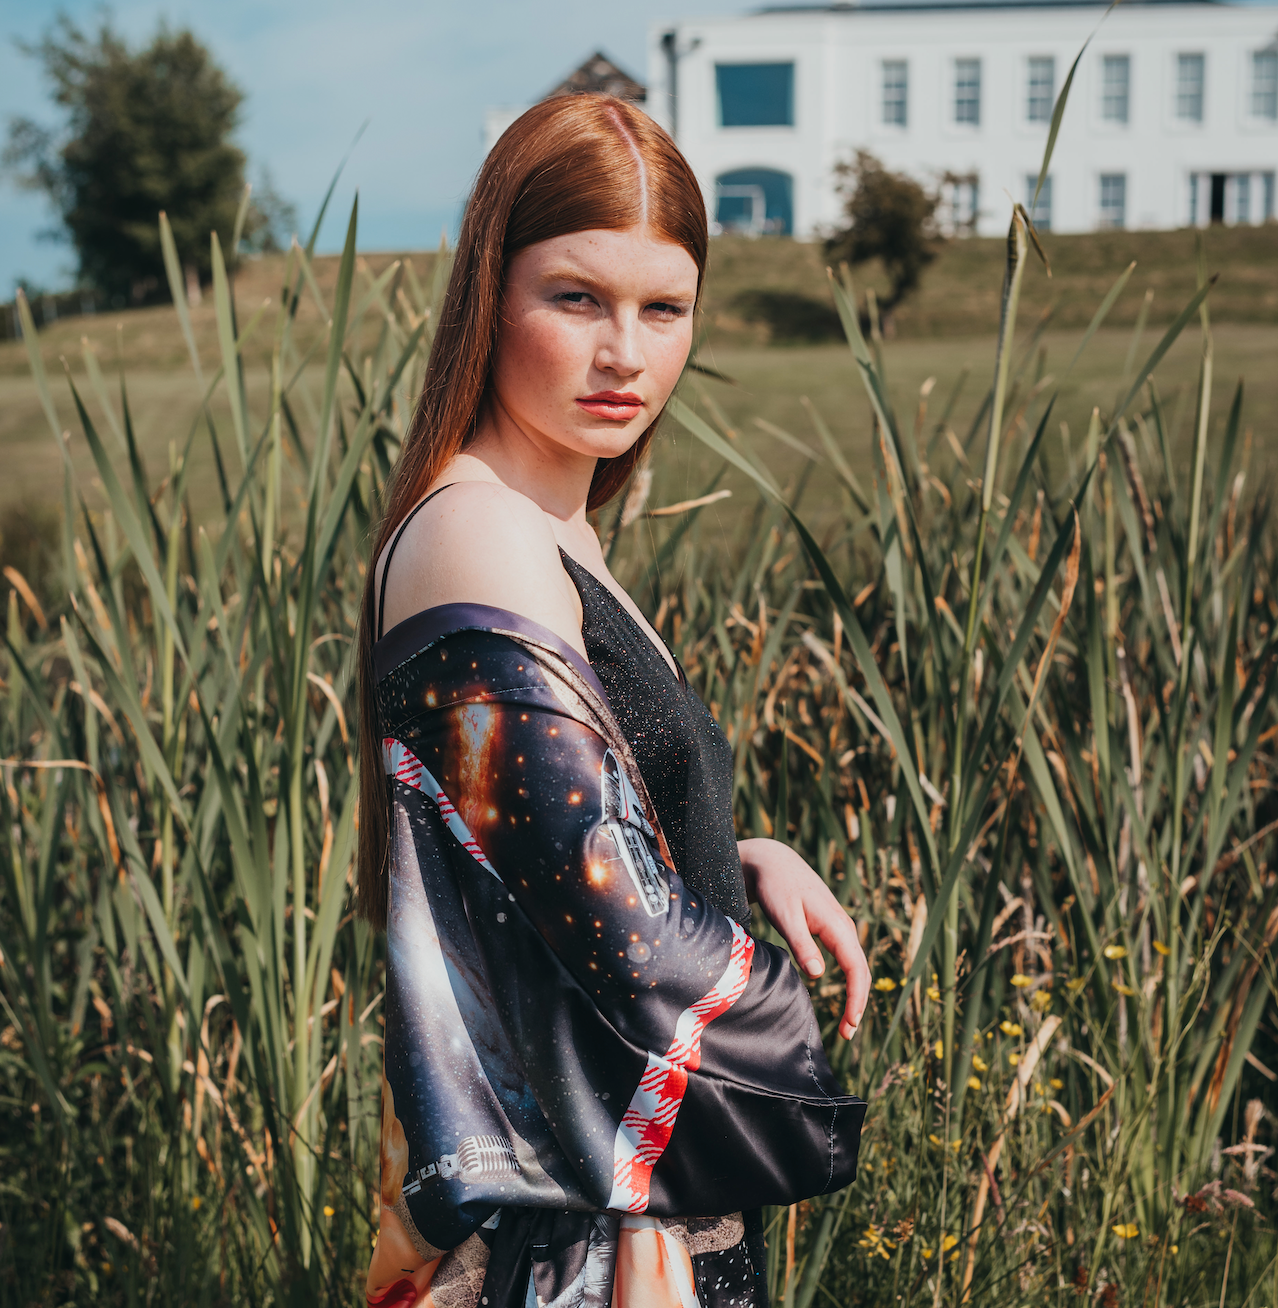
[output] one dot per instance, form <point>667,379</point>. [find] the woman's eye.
<point>572,297</point>
<point>667,310</point>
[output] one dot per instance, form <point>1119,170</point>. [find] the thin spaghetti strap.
<point>412,513</point>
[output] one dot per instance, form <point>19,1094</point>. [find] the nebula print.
<point>572,1035</point>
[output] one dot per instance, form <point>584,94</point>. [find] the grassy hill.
<point>960,291</point>
<point>947,328</point>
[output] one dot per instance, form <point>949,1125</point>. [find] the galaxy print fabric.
<point>576,1044</point>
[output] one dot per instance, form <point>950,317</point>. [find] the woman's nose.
<point>618,349</point>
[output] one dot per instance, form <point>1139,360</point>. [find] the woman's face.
<point>595,329</point>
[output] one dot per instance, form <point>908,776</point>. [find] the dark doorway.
<point>1218,197</point>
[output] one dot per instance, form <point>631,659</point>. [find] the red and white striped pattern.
<point>402,764</point>
<point>649,1119</point>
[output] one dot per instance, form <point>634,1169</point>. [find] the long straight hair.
<point>570,164</point>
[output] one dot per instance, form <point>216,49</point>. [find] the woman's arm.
<point>799,904</point>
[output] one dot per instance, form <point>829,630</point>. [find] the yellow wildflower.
<point>1020,980</point>
<point>948,1243</point>
<point>973,1082</point>
<point>873,1241</point>
<point>1126,1230</point>
<point>885,984</point>
<point>1038,1087</point>
<point>1124,990</point>
<point>1010,1028</point>
<point>195,1203</point>
<point>1115,952</point>
<point>935,1140</point>
<point>1056,1083</point>
<point>979,1064</point>
<point>329,1211</point>
<point>1075,984</point>
<point>1041,1001</point>
<point>954,1144</point>
<point>927,1253</point>
<point>934,994</point>
<point>1162,948</point>
<point>1014,1059</point>
<point>1175,1248</point>
<point>940,1049</point>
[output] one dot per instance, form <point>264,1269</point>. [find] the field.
<point>1002,665</point>
<point>947,332</point>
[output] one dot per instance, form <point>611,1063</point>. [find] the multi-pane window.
<point>1040,91</point>
<point>967,91</point>
<point>896,92</point>
<point>1116,74</point>
<point>1113,199</point>
<point>755,95</point>
<point>1242,198</point>
<point>1264,83</point>
<point>1189,87</point>
<point>1040,211</point>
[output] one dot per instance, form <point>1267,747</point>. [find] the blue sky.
<point>422,72</point>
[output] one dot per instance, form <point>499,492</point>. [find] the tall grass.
<point>1025,728</point>
<point>1024,725</point>
<point>190,1051</point>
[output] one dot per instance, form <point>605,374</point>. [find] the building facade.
<point>1172,117</point>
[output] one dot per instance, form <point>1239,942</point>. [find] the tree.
<point>889,218</point>
<point>144,131</point>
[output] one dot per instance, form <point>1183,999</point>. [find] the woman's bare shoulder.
<point>479,542</point>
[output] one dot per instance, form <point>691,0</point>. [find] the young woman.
<point>594,1076</point>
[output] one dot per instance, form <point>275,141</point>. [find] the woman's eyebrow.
<point>568,274</point>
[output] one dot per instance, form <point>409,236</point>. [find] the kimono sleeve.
<point>639,1011</point>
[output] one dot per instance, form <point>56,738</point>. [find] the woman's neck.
<point>557,479</point>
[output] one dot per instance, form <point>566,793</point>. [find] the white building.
<point>1172,117</point>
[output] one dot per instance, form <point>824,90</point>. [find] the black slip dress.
<point>684,757</point>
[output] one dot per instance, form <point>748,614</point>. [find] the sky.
<point>421,72</point>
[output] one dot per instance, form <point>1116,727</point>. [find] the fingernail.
<point>814,967</point>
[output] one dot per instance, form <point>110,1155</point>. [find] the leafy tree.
<point>890,217</point>
<point>143,131</point>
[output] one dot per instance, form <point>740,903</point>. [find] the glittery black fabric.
<point>685,759</point>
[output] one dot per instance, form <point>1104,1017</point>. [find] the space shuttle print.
<point>624,818</point>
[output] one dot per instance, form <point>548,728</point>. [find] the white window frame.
<point>1033,104</point>
<point>894,124</point>
<point>1106,59</point>
<point>1101,215</point>
<point>1040,214</point>
<point>1254,57</point>
<point>1180,63</point>
<point>967,124</point>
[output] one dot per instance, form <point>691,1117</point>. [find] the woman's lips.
<point>617,405</point>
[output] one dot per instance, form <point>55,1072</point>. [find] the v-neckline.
<point>674,668</point>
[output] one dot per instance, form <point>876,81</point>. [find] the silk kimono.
<point>591,1073</point>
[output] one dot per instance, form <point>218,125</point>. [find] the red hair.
<point>570,164</point>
